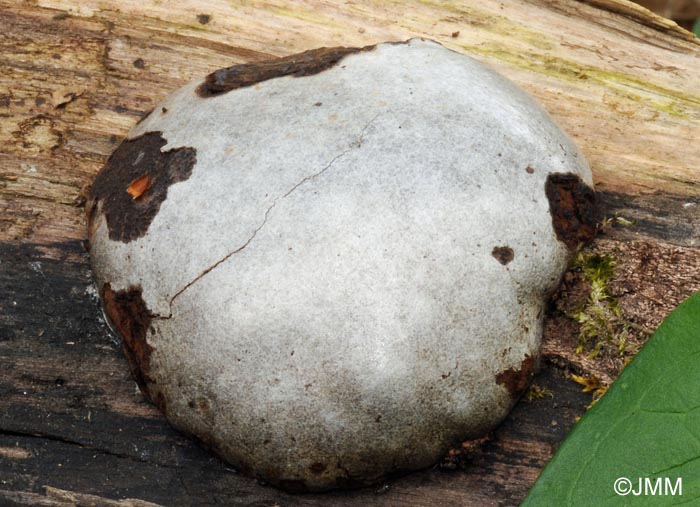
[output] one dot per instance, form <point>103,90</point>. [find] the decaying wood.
<point>685,12</point>
<point>55,497</point>
<point>76,76</point>
<point>650,280</point>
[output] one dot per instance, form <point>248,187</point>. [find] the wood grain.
<point>75,77</point>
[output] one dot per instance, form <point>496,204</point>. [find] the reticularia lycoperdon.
<point>333,266</point>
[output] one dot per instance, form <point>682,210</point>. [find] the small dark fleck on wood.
<point>203,18</point>
<point>139,63</point>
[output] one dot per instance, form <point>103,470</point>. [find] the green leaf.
<point>646,427</point>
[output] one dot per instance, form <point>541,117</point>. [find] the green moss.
<point>602,323</point>
<point>598,268</point>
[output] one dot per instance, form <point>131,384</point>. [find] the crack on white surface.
<point>356,144</point>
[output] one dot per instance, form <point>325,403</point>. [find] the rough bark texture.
<point>74,428</point>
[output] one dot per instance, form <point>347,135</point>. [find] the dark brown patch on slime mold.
<point>128,218</point>
<point>130,317</point>
<point>572,205</point>
<point>503,254</point>
<point>297,65</point>
<point>516,381</point>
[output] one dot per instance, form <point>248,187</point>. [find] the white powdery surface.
<point>332,307</point>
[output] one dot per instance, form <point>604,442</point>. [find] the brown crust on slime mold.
<point>516,381</point>
<point>129,218</point>
<point>297,65</point>
<point>572,205</point>
<point>130,316</point>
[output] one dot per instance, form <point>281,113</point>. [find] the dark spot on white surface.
<point>128,218</point>
<point>503,254</point>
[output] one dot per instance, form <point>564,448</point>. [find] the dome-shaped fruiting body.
<point>333,266</point>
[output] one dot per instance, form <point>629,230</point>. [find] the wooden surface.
<point>76,76</point>
<point>685,12</point>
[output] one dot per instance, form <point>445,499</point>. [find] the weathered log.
<point>74,429</point>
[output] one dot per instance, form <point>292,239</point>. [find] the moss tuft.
<point>601,320</point>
